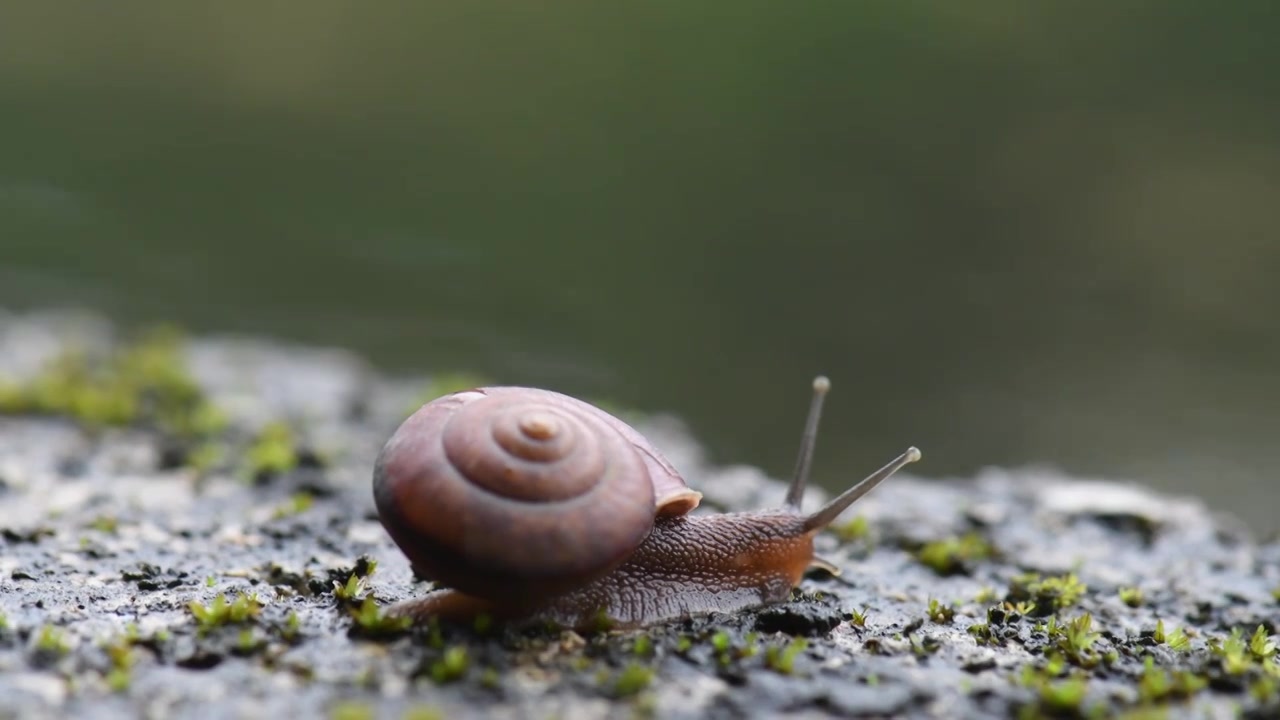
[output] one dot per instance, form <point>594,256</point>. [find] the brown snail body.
<point>529,505</point>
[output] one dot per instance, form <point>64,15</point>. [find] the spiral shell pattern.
<point>514,490</point>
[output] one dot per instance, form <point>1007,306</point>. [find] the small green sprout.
<point>1175,638</point>
<point>372,621</point>
<point>856,529</point>
<point>939,613</point>
<point>451,666</point>
<point>292,629</point>
<point>247,643</point>
<point>350,591</point>
<point>1131,596</point>
<point>954,555</point>
<point>782,659</point>
<point>1076,640</point>
<point>4,622</point>
<point>1275,593</point>
<point>859,618</point>
<point>210,581</point>
<point>1262,646</point>
<point>1233,653</point>
<point>683,644</point>
<point>633,679</point>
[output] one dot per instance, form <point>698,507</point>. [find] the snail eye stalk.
<point>795,493</point>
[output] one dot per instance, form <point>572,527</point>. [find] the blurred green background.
<point>1011,233</point>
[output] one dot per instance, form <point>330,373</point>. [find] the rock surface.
<point>1014,594</point>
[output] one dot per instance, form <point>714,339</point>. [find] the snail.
<point>527,505</point>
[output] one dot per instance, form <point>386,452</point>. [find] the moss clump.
<point>1131,596</point>
<point>954,555</point>
<point>632,680</point>
<point>856,529</point>
<point>1176,639</point>
<point>273,452</point>
<point>144,382</point>
<point>983,634</point>
<point>1049,594</point>
<point>51,642</point>
<point>219,612</point>
<point>782,659</point>
<point>371,621</point>
<point>1157,684</point>
<point>451,666</point>
<point>939,613</point>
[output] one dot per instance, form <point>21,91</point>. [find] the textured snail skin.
<point>688,566</point>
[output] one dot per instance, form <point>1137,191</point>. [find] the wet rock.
<point>136,582</point>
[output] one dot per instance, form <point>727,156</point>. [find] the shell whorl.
<point>516,490</point>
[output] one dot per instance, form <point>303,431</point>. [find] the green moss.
<point>52,641</point>
<point>220,612</point>
<point>292,628</point>
<point>142,382</point>
<point>351,710</point>
<point>782,659</point>
<point>1049,594</point>
<point>855,529</point>
<point>1176,639</point>
<point>859,618</point>
<point>273,451</point>
<point>985,595</point>
<point>298,503</point>
<point>939,613</point>
<point>1262,646</point>
<point>1131,596</point>
<point>982,633</point>
<point>451,666</point>
<point>642,646</point>
<point>1076,640</point>
<point>373,622</point>
<point>1265,689</point>
<point>633,679</point>
<point>105,524</point>
<point>954,555</point>
<point>1157,684</point>
<point>349,591</point>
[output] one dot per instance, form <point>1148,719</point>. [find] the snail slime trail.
<point>527,505</point>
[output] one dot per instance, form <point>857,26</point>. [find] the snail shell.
<point>523,491</point>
